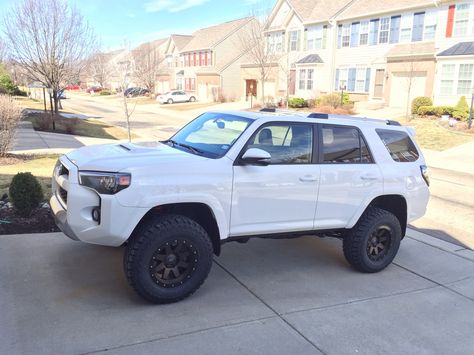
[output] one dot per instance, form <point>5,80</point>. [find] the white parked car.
<point>231,176</point>
<point>175,96</point>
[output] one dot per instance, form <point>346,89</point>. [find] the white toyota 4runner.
<point>230,176</point>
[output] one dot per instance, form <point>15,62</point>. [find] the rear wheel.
<point>374,241</point>
<point>192,99</point>
<point>170,101</point>
<point>168,259</point>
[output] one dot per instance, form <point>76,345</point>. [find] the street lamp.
<point>251,95</point>
<point>342,88</point>
<point>469,121</point>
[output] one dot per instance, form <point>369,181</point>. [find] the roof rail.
<point>318,115</point>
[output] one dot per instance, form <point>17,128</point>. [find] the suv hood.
<point>122,156</point>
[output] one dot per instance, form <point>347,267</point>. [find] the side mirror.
<point>255,156</point>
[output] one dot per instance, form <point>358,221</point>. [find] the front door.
<point>379,79</point>
<point>281,196</point>
<point>250,88</point>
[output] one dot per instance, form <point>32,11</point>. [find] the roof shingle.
<point>463,48</point>
<point>317,10</point>
<point>310,59</point>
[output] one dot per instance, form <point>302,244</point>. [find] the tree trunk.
<point>56,101</point>
<point>127,116</point>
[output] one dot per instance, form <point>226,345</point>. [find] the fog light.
<point>96,214</point>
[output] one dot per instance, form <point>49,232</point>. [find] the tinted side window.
<point>399,145</point>
<point>343,144</point>
<point>286,143</point>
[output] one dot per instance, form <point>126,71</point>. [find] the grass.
<point>40,166</point>
<point>430,134</point>
<point>83,127</point>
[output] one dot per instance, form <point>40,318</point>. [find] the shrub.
<point>105,93</point>
<point>425,110</point>
<point>447,110</point>
<point>334,99</point>
<point>25,193</point>
<point>297,102</point>
<point>438,111</point>
<point>10,115</point>
<point>70,125</point>
<point>42,122</point>
<point>460,115</point>
<point>462,105</point>
<point>420,101</point>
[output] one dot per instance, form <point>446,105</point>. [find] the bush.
<point>425,110</point>
<point>297,102</point>
<point>70,125</point>
<point>10,115</point>
<point>25,193</point>
<point>334,99</point>
<point>420,101</point>
<point>447,110</point>
<point>461,115</point>
<point>462,105</point>
<point>105,93</point>
<point>438,111</point>
<point>42,122</point>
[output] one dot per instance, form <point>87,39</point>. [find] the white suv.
<point>230,176</point>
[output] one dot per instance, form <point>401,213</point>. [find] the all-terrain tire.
<point>164,244</point>
<point>372,244</point>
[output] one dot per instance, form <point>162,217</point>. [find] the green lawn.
<point>431,134</point>
<point>40,166</point>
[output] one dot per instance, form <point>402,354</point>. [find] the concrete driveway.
<point>266,297</point>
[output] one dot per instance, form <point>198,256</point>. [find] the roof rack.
<point>320,115</point>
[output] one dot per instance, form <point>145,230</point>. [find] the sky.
<point>120,21</point>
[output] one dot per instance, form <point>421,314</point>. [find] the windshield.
<point>210,135</point>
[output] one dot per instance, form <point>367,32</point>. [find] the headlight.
<point>105,183</point>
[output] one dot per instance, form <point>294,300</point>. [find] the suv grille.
<point>62,194</point>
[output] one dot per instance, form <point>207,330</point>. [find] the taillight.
<point>424,173</point>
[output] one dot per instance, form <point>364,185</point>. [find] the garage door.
<point>402,82</point>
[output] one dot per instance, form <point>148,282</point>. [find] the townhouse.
<point>208,64</point>
<point>381,51</point>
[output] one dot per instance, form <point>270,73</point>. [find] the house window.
<point>430,25</point>
<point>293,40</point>
<point>179,83</point>
<point>447,79</point>
<point>186,60</point>
<point>209,58</point>
<point>270,44</point>
<point>309,79</point>
<point>360,80</point>
<point>364,33</point>
<point>278,42</point>
<point>384,29</point>
<point>406,24</point>
<point>193,84</point>
<point>314,38</point>
<point>465,79</point>
<point>274,43</point>
<point>346,35</point>
<point>181,60</point>
<point>302,79</point>
<point>461,19</point>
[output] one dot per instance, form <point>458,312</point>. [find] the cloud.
<point>171,6</point>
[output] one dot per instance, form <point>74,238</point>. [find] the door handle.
<point>370,177</point>
<point>308,178</point>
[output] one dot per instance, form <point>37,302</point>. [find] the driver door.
<point>281,196</point>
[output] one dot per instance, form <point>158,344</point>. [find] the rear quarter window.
<point>399,145</point>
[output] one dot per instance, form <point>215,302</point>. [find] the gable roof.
<point>318,10</point>
<point>366,8</point>
<point>463,48</point>
<point>310,59</point>
<point>211,36</point>
<point>180,41</point>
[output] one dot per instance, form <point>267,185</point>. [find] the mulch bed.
<point>40,221</point>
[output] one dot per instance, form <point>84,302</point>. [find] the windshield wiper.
<point>191,148</point>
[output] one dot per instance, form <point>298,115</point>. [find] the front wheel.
<point>374,241</point>
<point>170,101</point>
<point>168,259</point>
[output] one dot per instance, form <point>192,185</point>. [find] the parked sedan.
<point>175,96</point>
<point>93,89</point>
<point>134,92</point>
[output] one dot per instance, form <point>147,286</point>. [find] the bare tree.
<point>10,115</point>
<point>147,63</point>
<point>253,42</point>
<point>99,68</point>
<point>49,40</point>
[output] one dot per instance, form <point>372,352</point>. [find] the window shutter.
<point>449,25</point>
<point>298,40</point>
<point>367,79</point>
<point>352,79</point>
<point>336,87</point>
<point>418,22</point>
<point>325,35</point>
<point>339,36</point>
<point>395,29</point>
<point>289,39</point>
<point>374,32</point>
<point>355,27</point>
<point>305,39</point>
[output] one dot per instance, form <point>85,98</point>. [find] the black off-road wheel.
<point>168,258</point>
<point>374,241</point>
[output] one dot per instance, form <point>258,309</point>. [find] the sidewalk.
<point>294,296</point>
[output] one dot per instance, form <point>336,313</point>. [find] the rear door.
<point>349,176</point>
<point>282,196</point>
